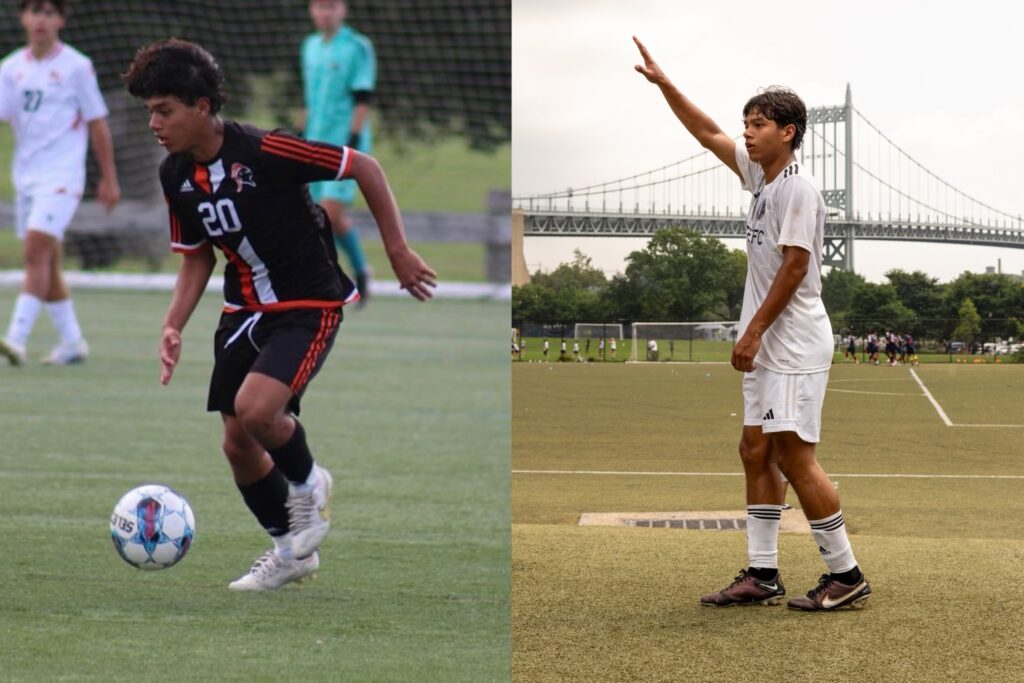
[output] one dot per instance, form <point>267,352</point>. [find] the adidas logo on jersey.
<point>186,186</point>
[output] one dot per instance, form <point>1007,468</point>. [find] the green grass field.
<point>935,515</point>
<point>453,261</point>
<point>410,413</point>
<point>697,350</point>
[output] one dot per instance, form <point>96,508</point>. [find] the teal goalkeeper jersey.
<point>332,72</point>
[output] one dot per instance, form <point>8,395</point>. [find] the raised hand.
<point>650,70</point>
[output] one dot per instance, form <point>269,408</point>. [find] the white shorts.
<point>47,212</point>
<point>784,403</point>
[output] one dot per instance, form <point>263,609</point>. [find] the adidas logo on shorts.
<point>770,415</point>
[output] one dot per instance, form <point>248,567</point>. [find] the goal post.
<point>683,342</point>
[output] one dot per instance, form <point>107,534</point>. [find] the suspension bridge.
<point>873,188</point>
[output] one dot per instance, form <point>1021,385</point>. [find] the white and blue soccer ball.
<point>152,527</point>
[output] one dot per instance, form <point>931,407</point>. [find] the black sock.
<point>293,457</point>
<point>849,577</point>
<point>266,499</point>
<point>763,573</point>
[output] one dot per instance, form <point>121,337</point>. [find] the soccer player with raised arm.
<point>339,74</point>
<point>49,94</point>
<point>242,191</point>
<point>784,347</point>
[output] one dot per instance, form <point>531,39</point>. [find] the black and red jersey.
<point>251,202</point>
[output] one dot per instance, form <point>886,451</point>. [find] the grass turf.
<point>453,261</point>
<point>619,604</point>
<point>411,418</point>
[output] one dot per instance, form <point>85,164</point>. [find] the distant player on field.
<point>49,94</point>
<point>242,191</point>
<point>784,348</point>
<point>547,346</point>
<point>339,74</point>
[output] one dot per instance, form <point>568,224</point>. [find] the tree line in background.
<point>682,276</point>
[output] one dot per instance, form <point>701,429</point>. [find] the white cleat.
<point>309,514</point>
<point>270,571</point>
<point>67,353</point>
<point>14,353</point>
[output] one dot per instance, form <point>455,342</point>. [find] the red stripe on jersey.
<point>300,151</point>
<point>202,178</point>
<point>244,276</point>
<point>327,158</point>
<point>288,305</point>
<point>328,323</point>
<point>325,153</point>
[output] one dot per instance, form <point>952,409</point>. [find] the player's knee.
<point>255,421</point>
<point>237,452</point>
<point>754,454</point>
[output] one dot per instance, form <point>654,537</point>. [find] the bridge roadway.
<point>590,224</point>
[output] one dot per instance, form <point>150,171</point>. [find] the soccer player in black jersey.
<point>243,191</point>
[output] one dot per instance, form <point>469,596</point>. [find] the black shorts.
<point>289,346</point>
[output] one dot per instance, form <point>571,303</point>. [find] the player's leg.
<point>336,198</point>
<point>265,492</point>
<point>38,250</point>
<point>72,347</point>
<point>293,347</point>
<point>760,582</point>
<point>794,431</point>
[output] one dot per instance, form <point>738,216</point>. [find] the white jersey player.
<point>784,347</point>
<point>50,97</point>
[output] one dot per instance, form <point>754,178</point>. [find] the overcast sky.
<point>941,79</point>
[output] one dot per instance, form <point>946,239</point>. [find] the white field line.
<point>740,474</point>
<point>869,393</point>
<point>928,394</point>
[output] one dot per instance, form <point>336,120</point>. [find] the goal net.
<point>443,83</point>
<point>694,341</point>
<point>597,331</point>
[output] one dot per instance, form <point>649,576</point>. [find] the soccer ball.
<point>152,527</point>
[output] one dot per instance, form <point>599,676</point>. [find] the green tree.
<point>996,297</point>
<point>922,295</point>
<point>969,327</point>
<point>877,307</point>
<point>679,275</point>
<point>837,293</point>
<point>579,274</point>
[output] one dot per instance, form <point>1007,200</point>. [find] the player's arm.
<point>362,89</point>
<point>109,190</point>
<point>700,125</point>
<point>795,263</point>
<point>412,271</point>
<point>193,275</point>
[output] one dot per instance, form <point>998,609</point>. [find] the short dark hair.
<point>60,5</point>
<point>177,68</point>
<point>784,107</point>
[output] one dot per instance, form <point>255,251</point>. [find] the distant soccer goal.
<point>597,331</point>
<point>684,342</point>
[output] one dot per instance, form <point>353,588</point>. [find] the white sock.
<point>763,535</point>
<point>23,319</point>
<point>830,535</point>
<point>62,313</point>
<point>283,545</point>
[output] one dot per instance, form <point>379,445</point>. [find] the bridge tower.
<point>837,186</point>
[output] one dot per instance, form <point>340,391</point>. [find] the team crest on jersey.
<point>242,175</point>
<point>760,209</point>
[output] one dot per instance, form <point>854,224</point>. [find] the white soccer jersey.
<point>48,102</point>
<point>789,211</point>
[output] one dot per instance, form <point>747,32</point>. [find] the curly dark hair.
<point>784,107</point>
<point>60,5</point>
<point>177,68</point>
